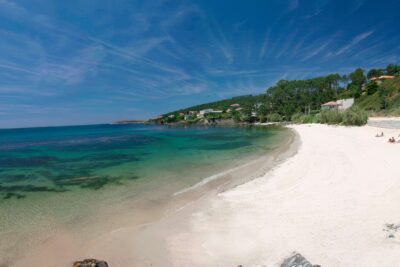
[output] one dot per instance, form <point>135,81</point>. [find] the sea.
<point>55,179</point>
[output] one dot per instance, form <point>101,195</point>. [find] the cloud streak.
<point>356,40</point>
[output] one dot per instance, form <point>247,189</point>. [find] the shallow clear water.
<point>54,176</point>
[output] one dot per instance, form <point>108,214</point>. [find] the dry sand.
<point>329,202</point>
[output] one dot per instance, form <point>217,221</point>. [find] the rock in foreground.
<point>297,260</point>
<point>90,263</point>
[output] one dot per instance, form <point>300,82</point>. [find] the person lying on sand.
<point>392,140</point>
<point>379,135</point>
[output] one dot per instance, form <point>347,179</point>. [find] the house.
<point>235,105</point>
<point>379,79</point>
<point>340,105</point>
<point>171,116</point>
<point>204,112</point>
<point>345,103</point>
<point>329,105</point>
<point>188,117</point>
<point>207,111</point>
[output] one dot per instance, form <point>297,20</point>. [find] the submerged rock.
<point>90,263</point>
<point>297,260</point>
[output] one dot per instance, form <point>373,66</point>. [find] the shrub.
<point>297,118</point>
<point>372,88</point>
<point>274,117</point>
<point>308,118</point>
<point>317,118</point>
<point>305,118</point>
<point>355,116</point>
<point>331,117</point>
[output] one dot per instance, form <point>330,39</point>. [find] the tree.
<point>372,88</point>
<point>393,69</point>
<point>357,77</point>
<point>384,97</point>
<point>374,73</point>
<point>262,112</point>
<point>246,113</point>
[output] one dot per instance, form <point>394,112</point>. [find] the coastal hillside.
<point>382,98</point>
<point>372,92</point>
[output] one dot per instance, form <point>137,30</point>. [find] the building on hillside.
<point>188,117</point>
<point>379,79</point>
<point>345,103</point>
<point>235,105</point>
<point>171,116</point>
<point>340,105</point>
<point>330,105</point>
<point>207,111</point>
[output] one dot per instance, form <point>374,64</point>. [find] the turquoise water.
<point>54,176</point>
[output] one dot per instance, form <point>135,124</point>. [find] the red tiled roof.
<point>382,77</point>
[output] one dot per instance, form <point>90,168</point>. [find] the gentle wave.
<point>213,177</point>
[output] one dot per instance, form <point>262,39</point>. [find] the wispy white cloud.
<point>18,69</point>
<point>317,49</point>
<point>356,40</point>
<point>264,46</point>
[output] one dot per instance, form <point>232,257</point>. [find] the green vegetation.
<point>331,117</point>
<point>246,100</point>
<point>299,101</point>
<point>354,116</point>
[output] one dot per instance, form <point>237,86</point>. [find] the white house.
<point>344,104</point>
<point>207,111</point>
<point>340,105</point>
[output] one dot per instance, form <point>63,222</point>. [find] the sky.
<point>92,61</point>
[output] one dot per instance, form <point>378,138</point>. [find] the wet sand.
<point>336,202</point>
<point>134,234</point>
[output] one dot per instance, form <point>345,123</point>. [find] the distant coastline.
<point>131,122</point>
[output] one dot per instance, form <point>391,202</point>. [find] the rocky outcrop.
<point>90,263</point>
<point>297,260</point>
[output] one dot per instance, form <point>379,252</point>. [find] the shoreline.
<point>136,216</point>
<point>145,245</point>
<point>332,195</point>
<point>336,202</point>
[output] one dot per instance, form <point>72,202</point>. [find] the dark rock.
<point>297,260</point>
<point>90,263</point>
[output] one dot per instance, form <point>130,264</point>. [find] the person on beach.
<point>380,135</point>
<point>392,140</point>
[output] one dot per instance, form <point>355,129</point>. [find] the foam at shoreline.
<point>130,210</point>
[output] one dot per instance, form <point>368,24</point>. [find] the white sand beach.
<point>330,202</point>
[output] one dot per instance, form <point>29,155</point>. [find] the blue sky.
<point>79,62</point>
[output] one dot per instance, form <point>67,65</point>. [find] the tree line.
<point>288,98</point>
